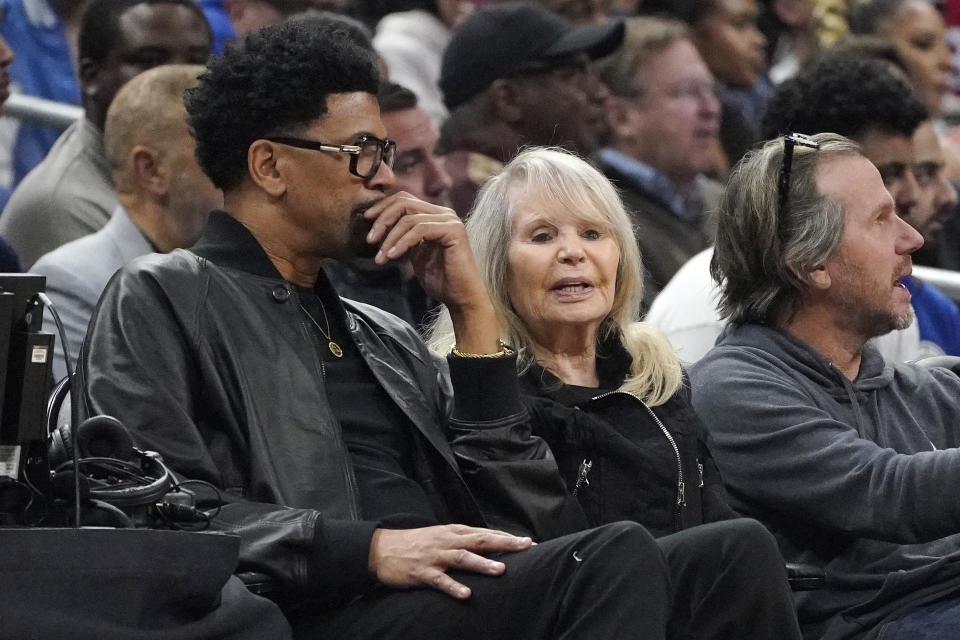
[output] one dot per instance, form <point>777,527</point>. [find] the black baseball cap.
<point>498,39</point>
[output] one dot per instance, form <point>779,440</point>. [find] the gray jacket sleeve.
<point>784,453</point>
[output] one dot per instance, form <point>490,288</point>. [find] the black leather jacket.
<point>205,357</point>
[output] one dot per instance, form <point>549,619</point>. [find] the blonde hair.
<point>570,183</point>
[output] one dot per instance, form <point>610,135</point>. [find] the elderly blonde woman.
<point>606,392</point>
<point>557,252</point>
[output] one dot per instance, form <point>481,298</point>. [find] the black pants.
<point>729,582</point>
<point>600,584</point>
<point>723,580</point>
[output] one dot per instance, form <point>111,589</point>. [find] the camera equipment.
<point>118,484</point>
<point>25,370</point>
<point>55,470</point>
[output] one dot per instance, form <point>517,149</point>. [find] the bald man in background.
<point>164,197</point>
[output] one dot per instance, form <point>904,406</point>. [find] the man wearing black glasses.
<point>325,422</point>
<point>849,460</point>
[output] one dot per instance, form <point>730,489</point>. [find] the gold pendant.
<point>335,349</point>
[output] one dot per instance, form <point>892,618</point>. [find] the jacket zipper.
<point>582,481</point>
<point>681,487</point>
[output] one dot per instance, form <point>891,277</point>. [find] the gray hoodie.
<point>859,478</point>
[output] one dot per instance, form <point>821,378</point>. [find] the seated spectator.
<point>324,422</point>
<point>662,90</point>
<point>917,29</point>
<point>938,318</point>
<point>420,173</point>
<point>606,392</point>
<point>727,34</point>
<point>70,193</point>
<point>516,75</point>
<point>861,99</point>
<point>164,199</point>
<point>937,199</point>
<point>44,33</point>
<point>844,457</point>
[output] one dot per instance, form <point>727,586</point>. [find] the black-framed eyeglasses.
<point>783,178</point>
<point>365,156</point>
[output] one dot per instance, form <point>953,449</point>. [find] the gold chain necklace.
<point>333,346</point>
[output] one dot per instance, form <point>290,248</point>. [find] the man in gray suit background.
<point>164,198</point>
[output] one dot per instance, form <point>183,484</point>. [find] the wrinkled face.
<point>874,251</point>
<point>418,170</point>
<point>563,106</point>
<point>153,34</point>
<point>562,267</point>
<point>674,124</point>
<point>892,155</point>
<point>6,57</point>
<point>731,44</point>
<point>918,30</point>
<point>192,195</point>
<point>936,197</point>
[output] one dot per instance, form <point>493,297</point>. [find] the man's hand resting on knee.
<point>421,557</point>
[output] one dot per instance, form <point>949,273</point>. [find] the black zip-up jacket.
<point>206,358</point>
<point>622,459</point>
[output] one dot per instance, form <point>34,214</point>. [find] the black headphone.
<point>111,469</point>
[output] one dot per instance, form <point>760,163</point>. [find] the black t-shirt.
<point>378,435</point>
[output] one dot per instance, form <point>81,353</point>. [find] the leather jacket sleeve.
<point>142,362</point>
<point>511,472</point>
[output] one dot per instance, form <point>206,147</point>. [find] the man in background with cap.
<point>514,75</point>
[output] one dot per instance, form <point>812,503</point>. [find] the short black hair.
<point>845,96</point>
<point>392,97</point>
<point>276,81</point>
<point>100,29</point>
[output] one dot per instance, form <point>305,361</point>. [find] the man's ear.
<point>87,71</point>
<point>820,278</point>
<point>623,117</point>
<point>505,100</point>
<point>148,171</point>
<point>264,165</point>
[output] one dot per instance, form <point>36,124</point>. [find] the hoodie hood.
<point>796,354</point>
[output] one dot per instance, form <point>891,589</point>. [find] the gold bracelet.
<point>504,351</point>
